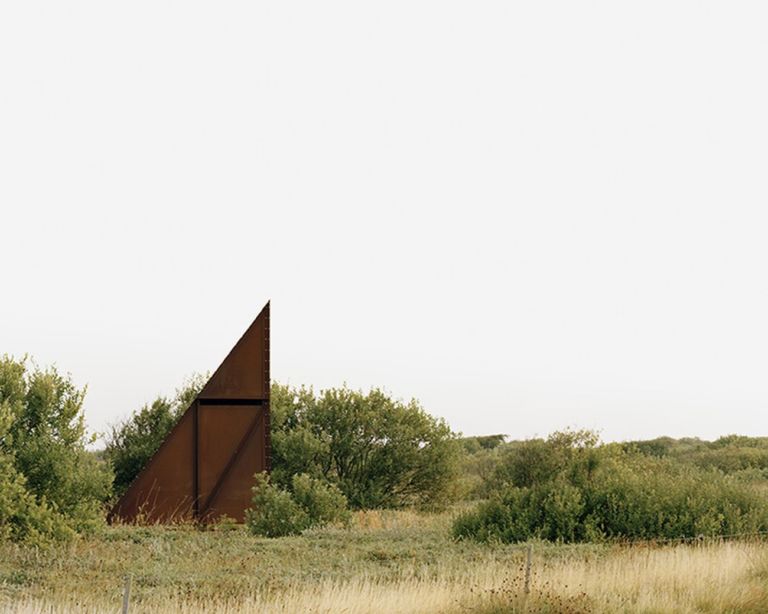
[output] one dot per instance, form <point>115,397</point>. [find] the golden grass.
<point>726,577</point>
<point>387,562</point>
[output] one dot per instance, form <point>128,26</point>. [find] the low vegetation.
<point>568,488</point>
<point>394,561</point>
<point>310,502</point>
<point>375,505</point>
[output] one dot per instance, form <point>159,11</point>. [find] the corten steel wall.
<point>204,469</point>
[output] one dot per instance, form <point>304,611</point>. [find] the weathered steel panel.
<point>233,497</point>
<point>237,378</point>
<point>225,433</point>
<point>204,469</point>
<point>164,490</point>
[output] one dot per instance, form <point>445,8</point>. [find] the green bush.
<point>323,502</point>
<point>537,461</point>
<point>22,517</point>
<point>277,512</point>
<point>50,485</point>
<point>730,454</point>
<point>593,493</point>
<point>475,444</point>
<point>379,452</point>
<point>659,498</point>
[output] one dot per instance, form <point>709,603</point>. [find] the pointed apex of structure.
<point>244,373</point>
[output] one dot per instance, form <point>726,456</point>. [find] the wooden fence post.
<point>529,553</point>
<point>127,594</point>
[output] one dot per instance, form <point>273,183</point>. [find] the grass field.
<point>385,562</point>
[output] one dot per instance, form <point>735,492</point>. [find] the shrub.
<point>730,454</point>
<point>653,498</point>
<point>537,461</point>
<point>475,444</point>
<point>605,492</point>
<point>50,485</point>
<point>379,452</point>
<point>275,512</point>
<point>310,503</point>
<point>477,473</point>
<point>323,502</point>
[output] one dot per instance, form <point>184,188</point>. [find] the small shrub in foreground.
<point>323,502</point>
<point>277,512</point>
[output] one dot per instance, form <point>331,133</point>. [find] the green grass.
<point>383,562</point>
<point>183,562</point>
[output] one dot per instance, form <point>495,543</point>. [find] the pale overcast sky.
<point>527,215</point>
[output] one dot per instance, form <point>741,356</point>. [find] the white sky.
<point>527,215</point>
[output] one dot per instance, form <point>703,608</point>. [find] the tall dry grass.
<point>723,577</point>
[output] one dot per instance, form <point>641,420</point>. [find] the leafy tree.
<point>478,443</point>
<point>43,453</point>
<point>133,442</point>
<point>378,451</point>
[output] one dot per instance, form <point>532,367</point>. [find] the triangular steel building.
<point>204,469</point>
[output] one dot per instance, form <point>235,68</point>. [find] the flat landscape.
<point>382,562</point>
<point>383,307</point>
<point>373,505</point>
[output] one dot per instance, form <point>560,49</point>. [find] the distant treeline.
<point>570,487</point>
<point>730,454</point>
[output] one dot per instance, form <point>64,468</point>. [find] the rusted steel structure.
<point>204,469</point>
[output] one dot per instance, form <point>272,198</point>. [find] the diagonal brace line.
<point>231,463</point>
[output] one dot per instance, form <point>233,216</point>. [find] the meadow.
<point>384,561</point>
<point>342,523</point>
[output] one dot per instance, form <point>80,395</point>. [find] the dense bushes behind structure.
<point>378,451</point>
<point>568,488</point>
